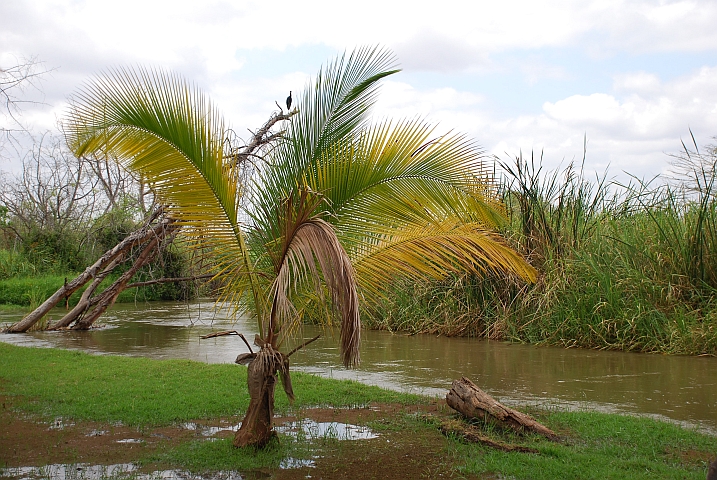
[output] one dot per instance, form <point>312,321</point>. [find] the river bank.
<point>666,387</point>
<point>72,408</point>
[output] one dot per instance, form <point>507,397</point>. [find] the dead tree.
<point>155,228</point>
<point>90,308</point>
<point>158,231</point>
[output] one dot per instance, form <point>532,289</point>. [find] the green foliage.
<point>629,268</point>
<point>52,251</point>
<point>29,290</point>
<point>14,264</point>
<point>111,228</point>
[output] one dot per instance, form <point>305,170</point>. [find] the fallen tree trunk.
<point>85,300</point>
<point>108,297</point>
<point>112,257</point>
<point>466,398</point>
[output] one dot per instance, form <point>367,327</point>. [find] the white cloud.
<point>627,126</point>
<point>629,129</point>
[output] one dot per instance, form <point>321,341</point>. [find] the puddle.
<point>124,471</point>
<point>291,462</point>
<point>60,423</point>
<point>209,431</point>
<point>73,471</point>
<point>129,440</point>
<point>308,428</point>
<point>339,431</point>
<point>96,433</point>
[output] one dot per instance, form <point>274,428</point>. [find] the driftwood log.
<point>466,398</point>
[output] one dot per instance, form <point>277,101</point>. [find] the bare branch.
<point>14,80</point>
<point>169,280</point>
<point>228,332</point>
<point>296,349</point>
<point>261,137</point>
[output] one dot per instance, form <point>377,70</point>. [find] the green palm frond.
<point>400,174</point>
<point>435,251</point>
<point>333,108</point>
<point>159,125</point>
<point>162,127</point>
<point>407,202</point>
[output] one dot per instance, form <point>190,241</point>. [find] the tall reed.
<point>629,267</point>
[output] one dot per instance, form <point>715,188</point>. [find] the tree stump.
<point>466,398</point>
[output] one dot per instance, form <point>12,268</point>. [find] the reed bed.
<point>623,266</point>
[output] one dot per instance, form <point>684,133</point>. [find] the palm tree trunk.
<point>257,427</point>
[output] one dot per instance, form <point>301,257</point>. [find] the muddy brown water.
<point>681,389</point>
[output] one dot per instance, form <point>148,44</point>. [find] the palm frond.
<point>161,126</point>
<point>403,170</point>
<point>435,251</point>
<point>308,243</point>
<point>418,198</point>
<point>331,109</point>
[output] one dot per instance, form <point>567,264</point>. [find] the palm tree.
<point>338,209</point>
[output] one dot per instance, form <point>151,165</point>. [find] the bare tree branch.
<point>261,138</point>
<point>15,79</point>
<point>170,280</point>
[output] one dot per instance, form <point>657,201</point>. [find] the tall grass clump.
<point>628,267</point>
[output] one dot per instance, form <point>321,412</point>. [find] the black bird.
<point>288,101</point>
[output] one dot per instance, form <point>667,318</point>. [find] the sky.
<point>632,79</point>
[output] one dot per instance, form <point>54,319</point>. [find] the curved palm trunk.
<point>257,427</point>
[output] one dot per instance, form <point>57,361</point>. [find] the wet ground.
<point>30,448</point>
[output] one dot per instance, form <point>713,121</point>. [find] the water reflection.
<point>123,471</point>
<point>339,431</point>
<point>678,388</point>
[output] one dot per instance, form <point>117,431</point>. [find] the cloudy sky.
<point>633,77</point>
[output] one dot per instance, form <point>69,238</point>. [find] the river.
<point>677,388</point>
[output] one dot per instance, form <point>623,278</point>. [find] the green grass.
<point>600,446</point>
<point>28,291</point>
<point>31,291</point>
<point>140,392</point>
<point>143,392</point>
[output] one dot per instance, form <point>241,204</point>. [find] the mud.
<point>391,453</point>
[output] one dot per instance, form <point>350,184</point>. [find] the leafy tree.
<point>335,210</point>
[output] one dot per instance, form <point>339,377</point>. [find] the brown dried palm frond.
<point>311,253</point>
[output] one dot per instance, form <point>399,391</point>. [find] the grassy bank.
<point>621,267</point>
<point>31,291</point>
<point>154,398</point>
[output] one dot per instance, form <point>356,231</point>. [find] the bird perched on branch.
<point>288,101</point>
